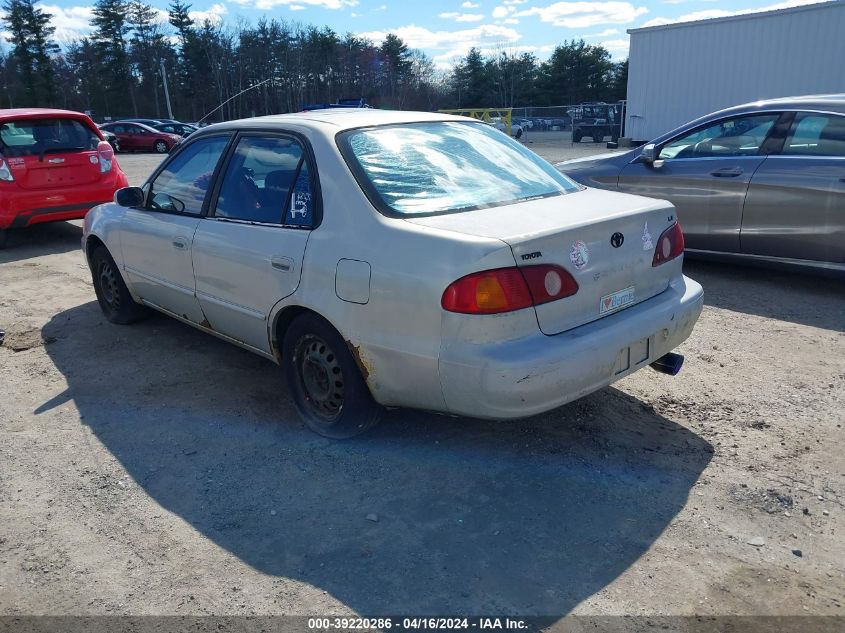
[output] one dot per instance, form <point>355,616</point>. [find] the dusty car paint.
<point>379,281</point>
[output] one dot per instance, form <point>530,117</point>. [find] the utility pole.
<point>166,91</point>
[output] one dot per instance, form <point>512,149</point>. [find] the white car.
<point>398,259</point>
<point>516,129</point>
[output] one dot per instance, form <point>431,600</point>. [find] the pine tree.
<point>31,37</point>
<point>109,37</point>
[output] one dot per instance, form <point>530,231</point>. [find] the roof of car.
<point>17,113</point>
<point>339,118</point>
<point>828,102</point>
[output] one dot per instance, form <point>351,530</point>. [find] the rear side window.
<point>267,180</point>
<point>30,137</point>
<point>814,134</point>
<point>182,185</point>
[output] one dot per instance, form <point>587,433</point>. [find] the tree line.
<point>278,66</point>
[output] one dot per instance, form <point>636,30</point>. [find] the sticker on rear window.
<point>616,300</point>
<point>579,254</point>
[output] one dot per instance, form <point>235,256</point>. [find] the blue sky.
<point>446,29</point>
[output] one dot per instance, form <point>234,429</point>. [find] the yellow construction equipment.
<point>486,114</point>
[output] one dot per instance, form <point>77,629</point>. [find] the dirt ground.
<point>153,469</point>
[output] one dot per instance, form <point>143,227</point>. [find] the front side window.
<point>183,183</point>
<point>32,137</point>
<point>815,134</point>
<point>439,167</point>
<point>267,180</point>
<point>740,136</point>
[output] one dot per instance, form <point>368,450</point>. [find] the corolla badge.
<point>579,254</point>
<point>56,160</point>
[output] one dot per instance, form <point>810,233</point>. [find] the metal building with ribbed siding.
<point>681,71</point>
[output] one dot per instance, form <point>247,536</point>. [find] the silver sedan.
<point>764,181</point>
<point>398,259</point>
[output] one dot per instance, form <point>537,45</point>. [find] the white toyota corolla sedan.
<point>398,259</point>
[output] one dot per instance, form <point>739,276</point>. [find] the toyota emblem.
<point>617,239</point>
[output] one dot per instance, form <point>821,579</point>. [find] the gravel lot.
<point>153,469</point>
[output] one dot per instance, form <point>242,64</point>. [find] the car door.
<point>248,251</point>
<point>123,136</point>
<point>795,206</point>
<point>705,173</point>
<point>156,239</point>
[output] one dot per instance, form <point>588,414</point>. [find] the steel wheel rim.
<point>320,377</point>
<point>108,286</point>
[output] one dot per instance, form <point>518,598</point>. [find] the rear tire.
<point>3,235</point>
<point>112,294</point>
<point>327,388</point>
<point>160,147</point>
<point>577,135</point>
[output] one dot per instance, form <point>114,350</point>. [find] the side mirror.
<point>129,197</point>
<point>649,153</point>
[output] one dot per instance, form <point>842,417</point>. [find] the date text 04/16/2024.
<point>415,623</point>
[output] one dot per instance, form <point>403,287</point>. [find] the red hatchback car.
<point>135,137</point>
<point>54,165</point>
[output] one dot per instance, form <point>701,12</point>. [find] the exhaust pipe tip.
<point>670,363</point>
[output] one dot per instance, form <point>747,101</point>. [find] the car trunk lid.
<point>605,240</point>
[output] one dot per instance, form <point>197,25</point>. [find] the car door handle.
<point>179,243</point>
<point>727,172</point>
<point>283,264</point>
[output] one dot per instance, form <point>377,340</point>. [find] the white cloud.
<point>452,44</point>
<point>618,49</point>
<point>299,4</point>
<point>462,17</point>
<point>605,33</point>
<point>500,12</point>
<point>721,13</point>
<point>575,15</point>
<point>470,5</point>
<point>213,14</point>
<point>72,23</point>
<point>510,21</point>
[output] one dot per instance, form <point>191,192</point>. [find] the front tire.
<point>577,135</point>
<point>4,234</point>
<point>112,294</point>
<point>327,388</point>
<point>160,147</point>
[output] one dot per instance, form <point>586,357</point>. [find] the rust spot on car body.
<point>362,363</point>
<point>206,324</point>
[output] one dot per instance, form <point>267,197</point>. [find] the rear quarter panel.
<point>396,335</point>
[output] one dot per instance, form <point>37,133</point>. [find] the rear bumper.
<point>539,373</point>
<point>20,208</point>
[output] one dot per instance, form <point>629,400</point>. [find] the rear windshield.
<point>28,137</point>
<point>441,167</point>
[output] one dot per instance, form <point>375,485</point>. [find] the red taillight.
<point>508,289</point>
<point>106,154</point>
<point>669,245</point>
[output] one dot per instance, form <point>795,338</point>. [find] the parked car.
<point>150,122</point>
<point>761,182</point>
<point>182,129</point>
<point>54,165</point>
<point>136,137</point>
<point>111,139</point>
<point>398,259</point>
<point>516,128</point>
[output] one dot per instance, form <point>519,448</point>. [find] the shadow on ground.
<point>51,238</point>
<point>805,298</point>
<point>527,517</point>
